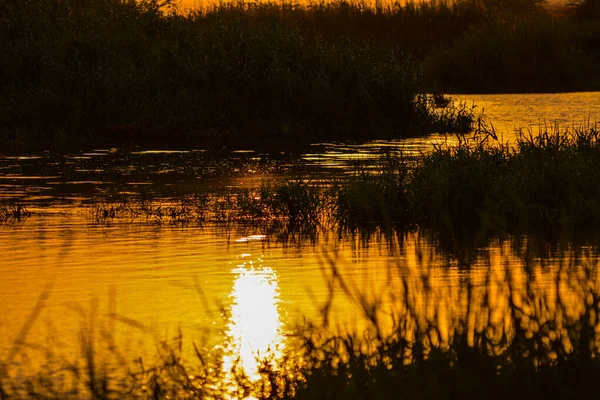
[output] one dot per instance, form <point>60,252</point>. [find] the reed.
<point>141,70</point>
<point>138,70</point>
<point>543,183</point>
<point>370,200</point>
<point>537,348</point>
<point>539,53</point>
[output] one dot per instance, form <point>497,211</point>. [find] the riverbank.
<point>115,71</point>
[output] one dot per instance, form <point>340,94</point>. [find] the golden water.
<point>531,112</point>
<point>243,293</point>
<point>239,290</point>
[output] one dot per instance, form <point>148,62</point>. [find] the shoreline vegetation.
<point>474,187</point>
<point>542,184</point>
<point>125,70</point>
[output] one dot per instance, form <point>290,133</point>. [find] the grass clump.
<point>288,206</point>
<point>375,200</point>
<point>451,186</point>
<point>169,213</point>
<point>14,213</point>
<point>561,178</point>
<point>542,183</point>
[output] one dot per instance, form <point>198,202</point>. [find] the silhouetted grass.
<point>536,53</point>
<point>139,70</point>
<point>506,338</point>
<point>376,200</point>
<point>544,184</point>
<point>477,46</point>
<point>389,24</point>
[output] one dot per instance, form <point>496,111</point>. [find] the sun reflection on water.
<point>254,329</point>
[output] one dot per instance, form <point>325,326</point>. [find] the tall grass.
<point>505,334</point>
<point>139,70</point>
<point>143,69</point>
<point>540,53</point>
<point>411,27</point>
<point>545,182</point>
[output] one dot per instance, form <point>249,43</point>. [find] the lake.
<point>238,289</point>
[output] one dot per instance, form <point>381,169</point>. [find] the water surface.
<point>239,289</point>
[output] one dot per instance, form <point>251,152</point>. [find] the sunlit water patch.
<point>241,293</point>
<point>537,111</point>
<point>254,331</point>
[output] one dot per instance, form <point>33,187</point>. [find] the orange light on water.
<point>254,329</point>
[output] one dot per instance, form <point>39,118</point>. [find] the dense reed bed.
<point>141,70</point>
<point>537,53</point>
<point>465,46</point>
<point>522,330</point>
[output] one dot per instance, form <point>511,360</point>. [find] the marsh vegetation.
<point>521,320</point>
<point>544,183</point>
<point>141,70</point>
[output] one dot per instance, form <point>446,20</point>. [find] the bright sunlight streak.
<point>254,329</point>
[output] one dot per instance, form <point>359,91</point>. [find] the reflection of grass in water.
<point>545,342</point>
<point>14,213</point>
<point>537,348</point>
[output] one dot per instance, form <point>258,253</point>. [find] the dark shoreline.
<point>77,70</point>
